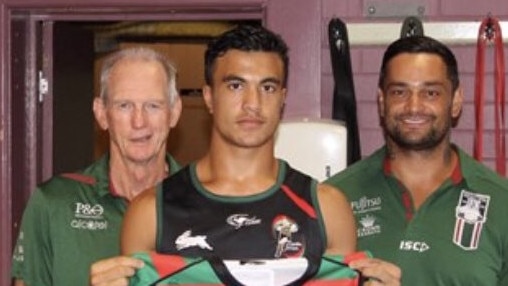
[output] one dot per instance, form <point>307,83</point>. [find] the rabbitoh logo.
<point>186,240</point>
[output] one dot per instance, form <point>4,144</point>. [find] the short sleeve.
<point>31,261</point>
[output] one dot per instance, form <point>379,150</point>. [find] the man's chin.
<point>141,158</point>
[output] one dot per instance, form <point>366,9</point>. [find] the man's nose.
<point>139,117</point>
<point>252,100</point>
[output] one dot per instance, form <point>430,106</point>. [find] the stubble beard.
<point>426,142</point>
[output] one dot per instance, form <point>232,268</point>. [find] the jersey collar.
<point>456,176</point>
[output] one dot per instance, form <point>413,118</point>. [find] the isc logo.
<point>409,245</point>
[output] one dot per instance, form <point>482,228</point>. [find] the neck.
<point>422,172</point>
<point>238,171</point>
<point>130,178</point>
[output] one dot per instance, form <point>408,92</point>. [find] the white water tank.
<point>316,147</point>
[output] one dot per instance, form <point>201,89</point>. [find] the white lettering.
<point>365,204</point>
<point>89,211</point>
<point>89,224</point>
<point>418,246</point>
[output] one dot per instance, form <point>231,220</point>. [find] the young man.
<point>74,219</point>
<point>420,201</point>
<point>239,201</point>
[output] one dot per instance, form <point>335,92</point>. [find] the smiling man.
<point>420,201</point>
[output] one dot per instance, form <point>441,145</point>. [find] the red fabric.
<point>490,31</point>
<point>80,178</point>
<point>301,203</point>
<point>166,264</point>
<point>338,282</point>
<point>355,256</point>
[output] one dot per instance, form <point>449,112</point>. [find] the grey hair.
<point>141,53</point>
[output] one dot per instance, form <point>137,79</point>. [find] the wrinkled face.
<point>137,112</point>
<point>246,98</point>
<point>417,104</point>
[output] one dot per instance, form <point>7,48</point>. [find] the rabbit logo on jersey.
<point>89,217</point>
<point>470,215</point>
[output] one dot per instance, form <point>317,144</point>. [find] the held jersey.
<point>281,222</point>
<point>163,269</point>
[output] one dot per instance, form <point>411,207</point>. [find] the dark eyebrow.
<point>272,80</point>
<point>425,84</point>
<point>232,78</point>
<point>434,83</point>
<point>395,84</point>
<point>240,79</point>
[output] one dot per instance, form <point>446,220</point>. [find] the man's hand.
<point>114,271</point>
<point>379,272</point>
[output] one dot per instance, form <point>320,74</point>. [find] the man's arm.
<point>139,226</point>
<point>138,234</point>
<point>338,219</point>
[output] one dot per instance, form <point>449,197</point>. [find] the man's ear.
<point>207,96</point>
<point>284,95</point>
<point>99,111</point>
<point>176,111</point>
<point>283,102</point>
<point>457,101</point>
<point>380,102</point>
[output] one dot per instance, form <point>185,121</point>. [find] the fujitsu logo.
<point>365,204</point>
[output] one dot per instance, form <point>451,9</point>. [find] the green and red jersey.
<point>458,236</point>
<point>70,221</point>
<point>164,269</point>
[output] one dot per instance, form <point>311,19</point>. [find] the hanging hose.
<point>490,31</point>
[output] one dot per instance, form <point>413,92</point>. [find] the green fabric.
<point>424,246</point>
<point>67,225</point>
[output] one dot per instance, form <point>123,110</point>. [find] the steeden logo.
<point>240,220</point>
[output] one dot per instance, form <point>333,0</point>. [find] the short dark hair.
<point>421,44</point>
<point>245,38</point>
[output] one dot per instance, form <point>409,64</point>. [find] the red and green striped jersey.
<point>164,269</point>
